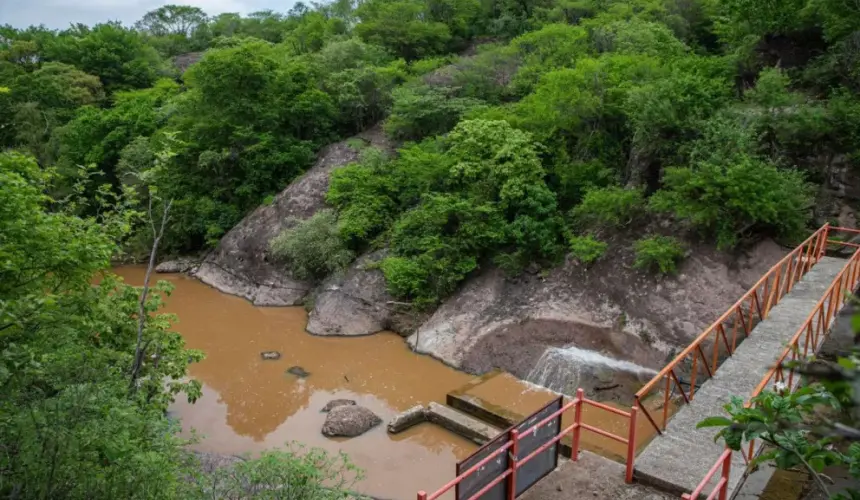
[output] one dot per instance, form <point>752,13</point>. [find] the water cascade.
<point>563,369</point>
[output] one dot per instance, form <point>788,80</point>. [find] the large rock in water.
<point>611,309</point>
<point>349,421</point>
<point>240,263</point>
<point>358,303</point>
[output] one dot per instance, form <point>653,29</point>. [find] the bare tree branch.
<point>142,316</point>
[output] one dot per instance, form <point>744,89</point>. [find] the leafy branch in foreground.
<point>811,428</point>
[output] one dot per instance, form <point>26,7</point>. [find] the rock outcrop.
<point>611,309</point>
<point>180,265</point>
<point>357,303</point>
<point>240,263</point>
<point>349,421</point>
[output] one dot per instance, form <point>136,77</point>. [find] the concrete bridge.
<point>786,316</point>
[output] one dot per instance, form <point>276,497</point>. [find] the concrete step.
<point>460,423</point>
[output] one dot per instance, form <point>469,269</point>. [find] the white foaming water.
<point>560,369</point>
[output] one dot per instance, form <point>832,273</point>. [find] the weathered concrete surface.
<point>357,302</point>
<point>590,477</point>
<point>240,264</point>
<point>611,308</point>
<point>460,423</point>
<point>679,459</point>
<point>411,417</point>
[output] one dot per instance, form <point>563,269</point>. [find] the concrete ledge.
<point>409,418</point>
<point>460,423</point>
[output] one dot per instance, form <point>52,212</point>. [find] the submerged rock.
<point>298,371</point>
<point>270,355</point>
<point>334,403</point>
<point>240,263</point>
<point>349,421</point>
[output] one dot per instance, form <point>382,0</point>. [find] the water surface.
<point>249,404</point>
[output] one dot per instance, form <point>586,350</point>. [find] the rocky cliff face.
<point>240,264</point>
<point>610,309</point>
<point>618,315</point>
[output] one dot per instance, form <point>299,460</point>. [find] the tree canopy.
<point>521,130</point>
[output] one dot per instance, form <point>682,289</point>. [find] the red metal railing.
<point>740,319</point>
<point>721,488</point>
<point>811,335</point>
<point>574,430</point>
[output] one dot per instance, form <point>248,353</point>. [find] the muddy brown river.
<point>249,405</point>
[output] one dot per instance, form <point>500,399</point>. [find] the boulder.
<point>357,302</point>
<point>240,264</point>
<point>270,355</point>
<point>349,421</point>
<point>180,265</point>
<point>334,403</point>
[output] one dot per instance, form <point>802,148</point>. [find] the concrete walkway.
<point>681,457</point>
<point>591,477</point>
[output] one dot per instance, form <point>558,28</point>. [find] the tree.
<point>402,26</point>
<point>117,55</point>
<point>67,346</point>
<point>731,201</point>
<point>181,20</point>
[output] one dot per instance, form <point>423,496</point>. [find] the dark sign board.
<point>529,473</point>
<point>546,461</point>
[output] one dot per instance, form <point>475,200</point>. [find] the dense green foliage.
<point>587,249</point>
<point>73,422</point>
<point>658,253</point>
<point>622,101</point>
<point>313,247</point>
<point>584,123</point>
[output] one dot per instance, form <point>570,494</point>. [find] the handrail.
<point>814,330</point>
<point>724,462</point>
<point>753,307</point>
<point>574,430</point>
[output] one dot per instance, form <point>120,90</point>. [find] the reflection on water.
<point>249,404</point>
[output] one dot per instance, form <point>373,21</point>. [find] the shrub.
<point>437,244</point>
<point>748,195</point>
<point>609,207</point>
<point>587,249</point>
<point>423,111</point>
<point>658,252</point>
<point>308,474</point>
<point>313,247</point>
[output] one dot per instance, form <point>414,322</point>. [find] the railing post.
<point>823,242</point>
<point>727,466</point>
<point>422,495</point>
<point>577,421</point>
<point>512,463</point>
<point>631,444</point>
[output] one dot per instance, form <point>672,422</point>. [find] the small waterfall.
<point>563,369</point>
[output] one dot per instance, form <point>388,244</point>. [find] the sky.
<point>60,14</point>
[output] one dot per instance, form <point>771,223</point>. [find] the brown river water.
<point>249,405</point>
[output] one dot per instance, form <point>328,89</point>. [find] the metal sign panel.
<point>530,473</point>
<point>485,475</point>
<point>546,461</point>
